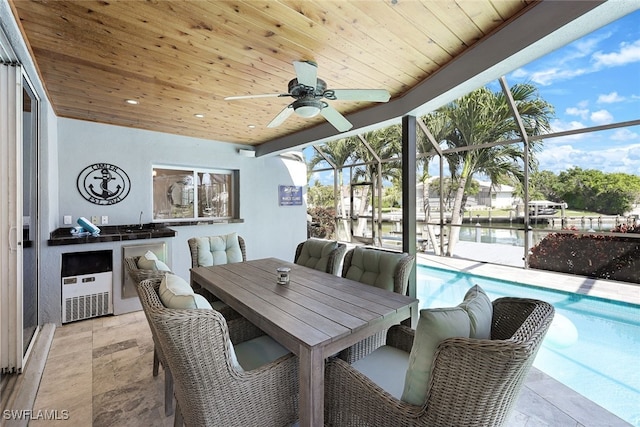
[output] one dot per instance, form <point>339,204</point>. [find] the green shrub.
<point>597,256</point>
<point>322,223</point>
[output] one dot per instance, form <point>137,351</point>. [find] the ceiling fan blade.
<point>334,117</point>
<point>306,73</point>
<point>372,95</point>
<point>281,117</point>
<point>264,95</point>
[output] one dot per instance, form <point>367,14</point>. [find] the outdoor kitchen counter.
<point>112,233</point>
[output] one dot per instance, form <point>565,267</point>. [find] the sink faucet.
<point>140,220</point>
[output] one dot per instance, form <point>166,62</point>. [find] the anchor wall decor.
<point>103,184</point>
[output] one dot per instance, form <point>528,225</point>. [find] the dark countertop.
<point>112,233</point>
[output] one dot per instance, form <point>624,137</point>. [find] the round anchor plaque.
<point>103,184</point>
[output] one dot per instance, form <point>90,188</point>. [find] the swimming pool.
<point>593,344</point>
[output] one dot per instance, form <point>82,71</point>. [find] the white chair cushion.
<point>176,293</point>
<point>217,250</point>
<point>150,261</point>
<point>386,367</point>
<point>259,351</point>
<point>434,326</point>
<point>480,310</point>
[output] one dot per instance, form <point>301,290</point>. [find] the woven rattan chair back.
<point>209,389</point>
<point>473,382</point>
<point>149,299</point>
<point>400,284</point>
<point>335,257</point>
<point>140,274</point>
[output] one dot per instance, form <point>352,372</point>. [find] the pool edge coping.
<point>608,289</point>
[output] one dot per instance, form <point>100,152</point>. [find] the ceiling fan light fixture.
<point>307,111</point>
<point>307,108</point>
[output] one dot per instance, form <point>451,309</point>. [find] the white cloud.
<point>628,53</point>
<point>583,113</point>
<point>561,126</point>
<point>585,46</point>
<point>572,62</point>
<point>610,98</point>
<point>583,104</point>
<point>617,159</point>
<point>601,117</point>
<point>550,75</point>
<point>520,74</point>
<point>625,135</point>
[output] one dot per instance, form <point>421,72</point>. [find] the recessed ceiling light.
<point>200,116</point>
<point>132,101</point>
<point>251,126</point>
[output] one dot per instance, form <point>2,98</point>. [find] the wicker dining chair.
<point>194,249</point>
<point>150,302</point>
<point>473,382</point>
<point>210,387</point>
<point>213,250</point>
<point>240,330</point>
<point>140,274</point>
<point>376,267</point>
<point>320,254</point>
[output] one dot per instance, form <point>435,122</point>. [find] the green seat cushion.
<point>149,261</point>
<point>374,267</point>
<point>434,326</point>
<point>480,310</point>
<point>217,250</point>
<point>176,293</point>
<point>316,253</point>
<point>386,366</point>
<point>258,351</point>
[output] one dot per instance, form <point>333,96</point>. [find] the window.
<point>188,194</point>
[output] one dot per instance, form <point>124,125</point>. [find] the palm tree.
<point>483,117</point>
<point>338,152</point>
<point>386,144</point>
<point>439,127</point>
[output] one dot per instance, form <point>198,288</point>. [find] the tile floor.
<point>99,370</point>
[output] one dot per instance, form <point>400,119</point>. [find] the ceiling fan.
<point>309,91</point>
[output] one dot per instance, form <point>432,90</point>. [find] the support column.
<point>409,137</point>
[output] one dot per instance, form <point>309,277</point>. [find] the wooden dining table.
<point>315,316</point>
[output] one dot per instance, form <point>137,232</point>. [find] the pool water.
<point>592,346</point>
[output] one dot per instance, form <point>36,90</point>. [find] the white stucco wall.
<point>269,230</point>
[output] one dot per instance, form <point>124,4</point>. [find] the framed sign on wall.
<point>290,195</point>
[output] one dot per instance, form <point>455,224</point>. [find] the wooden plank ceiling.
<point>181,58</point>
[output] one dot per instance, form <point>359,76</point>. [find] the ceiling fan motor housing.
<point>298,90</point>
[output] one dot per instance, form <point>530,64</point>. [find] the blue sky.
<point>591,82</point>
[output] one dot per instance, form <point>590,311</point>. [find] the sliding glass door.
<point>30,241</point>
